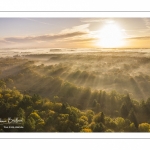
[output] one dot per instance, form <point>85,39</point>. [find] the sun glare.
<point>111,36</point>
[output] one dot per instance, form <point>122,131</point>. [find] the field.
<point>77,91</point>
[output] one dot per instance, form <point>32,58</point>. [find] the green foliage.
<point>110,123</point>
<point>29,125</point>
<point>99,118</point>
<point>86,130</point>
<point>144,127</point>
<point>124,110</point>
<point>132,128</point>
<point>133,118</point>
<point>35,116</point>
<point>21,113</point>
<point>98,127</point>
<point>90,114</point>
<point>2,84</point>
<point>120,122</point>
<point>41,115</point>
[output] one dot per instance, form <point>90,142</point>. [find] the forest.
<point>81,92</point>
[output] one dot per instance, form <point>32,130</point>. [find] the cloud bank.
<point>75,34</point>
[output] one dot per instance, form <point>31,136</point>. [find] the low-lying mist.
<point>125,71</point>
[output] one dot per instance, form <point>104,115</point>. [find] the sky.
<point>74,33</point>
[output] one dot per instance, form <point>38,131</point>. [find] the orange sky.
<point>75,32</point>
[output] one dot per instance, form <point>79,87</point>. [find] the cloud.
<point>76,33</point>
<point>97,20</point>
<point>43,37</point>
<point>34,20</point>
<point>84,40</point>
<point>90,20</point>
<point>19,39</point>
<point>3,41</point>
<point>60,36</point>
<point>147,22</point>
<point>140,38</point>
<point>80,28</point>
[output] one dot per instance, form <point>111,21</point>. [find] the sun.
<point>111,36</point>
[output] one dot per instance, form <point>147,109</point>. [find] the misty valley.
<point>88,91</point>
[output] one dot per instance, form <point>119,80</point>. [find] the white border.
<point>50,135</point>
<point>118,14</point>
<point>74,5</point>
